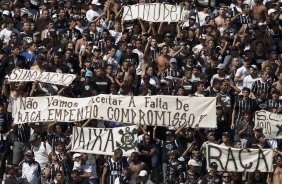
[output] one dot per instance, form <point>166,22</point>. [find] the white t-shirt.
<point>41,153</point>
<point>31,172</point>
<point>249,81</point>
<point>90,14</point>
<point>241,72</point>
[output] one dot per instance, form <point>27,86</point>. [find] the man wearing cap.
<point>212,176</point>
<point>31,170</point>
<point>172,72</point>
<point>250,79</point>
<point>220,73</point>
<point>94,11</point>
<point>143,178</point>
<point>190,174</point>
<point>40,149</point>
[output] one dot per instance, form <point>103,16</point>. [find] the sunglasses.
<point>226,176</point>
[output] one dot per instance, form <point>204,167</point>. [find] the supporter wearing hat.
<point>250,79</point>
<point>143,177</point>
<point>220,74</point>
<point>190,174</point>
<point>30,168</point>
<point>212,175</point>
<point>95,10</point>
<point>242,72</point>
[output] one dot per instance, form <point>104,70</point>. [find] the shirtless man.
<point>219,20</point>
<point>277,175</point>
<point>163,60</point>
<point>136,165</point>
<point>278,84</point>
<point>259,11</point>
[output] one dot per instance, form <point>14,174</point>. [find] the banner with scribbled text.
<point>154,12</point>
<point>144,110</point>
<point>104,140</point>
<point>271,124</point>
<point>64,79</point>
<point>238,160</point>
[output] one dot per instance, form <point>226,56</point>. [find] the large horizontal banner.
<point>271,124</point>
<point>238,160</point>
<point>47,77</point>
<point>104,141</point>
<point>154,12</point>
<point>144,110</point>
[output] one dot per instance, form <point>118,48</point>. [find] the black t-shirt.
<point>26,37</point>
<point>73,34</point>
<point>60,24</point>
<point>211,179</point>
<point>41,24</point>
<point>101,84</point>
<point>131,58</point>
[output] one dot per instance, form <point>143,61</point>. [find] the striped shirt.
<point>242,105</point>
<point>244,19</point>
<point>273,104</point>
<point>260,86</point>
<point>155,52</point>
<point>171,73</point>
<point>22,133</point>
<point>114,170</point>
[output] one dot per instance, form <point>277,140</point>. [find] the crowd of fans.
<point>231,52</point>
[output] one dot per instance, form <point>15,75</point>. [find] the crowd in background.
<point>231,51</point>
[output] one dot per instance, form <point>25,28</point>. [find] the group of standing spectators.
<point>231,51</point>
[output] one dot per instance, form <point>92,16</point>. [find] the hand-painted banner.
<point>238,160</point>
<point>104,140</point>
<point>144,110</point>
<point>154,12</point>
<point>271,124</point>
<point>47,77</point>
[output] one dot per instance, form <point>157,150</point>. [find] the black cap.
<point>213,164</point>
<point>226,134</point>
<point>210,134</point>
<point>29,153</point>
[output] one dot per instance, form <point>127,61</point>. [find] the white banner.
<point>271,124</point>
<point>150,110</point>
<point>154,12</point>
<point>104,141</point>
<point>236,160</point>
<point>47,77</point>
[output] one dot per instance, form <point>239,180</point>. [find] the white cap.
<point>143,173</point>
<point>220,66</point>
<point>193,162</point>
<point>6,12</point>
<point>76,155</point>
<point>270,11</point>
<point>96,2</point>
